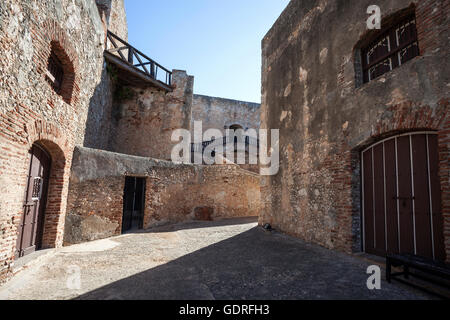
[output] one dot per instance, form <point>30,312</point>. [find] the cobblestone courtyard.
<point>231,259</point>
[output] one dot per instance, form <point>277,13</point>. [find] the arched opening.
<point>42,198</point>
<point>244,144</point>
<point>35,201</point>
<point>60,73</point>
<point>401,196</point>
<point>236,127</point>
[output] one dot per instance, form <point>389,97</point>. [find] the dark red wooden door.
<point>30,229</point>
<point>401,197</point>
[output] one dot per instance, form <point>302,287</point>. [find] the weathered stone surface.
<point>221,114</point>
<point>144,119</point>
<point>90,228</point>
<point>88,112</point>
<point>174,193</point>
<point>31,111</point>
<point>310,93</point>
<point>203,213</point>
<point>99,123</point>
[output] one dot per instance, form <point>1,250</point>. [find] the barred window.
<point>392,48</point>
<point>55,72</point>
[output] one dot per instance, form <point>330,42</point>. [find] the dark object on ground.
<point>203,213</point>
<point>267,227</point>
<point>437,273</point>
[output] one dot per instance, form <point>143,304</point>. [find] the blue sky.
<point>217,41</point>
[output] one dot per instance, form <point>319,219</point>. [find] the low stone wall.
<point>174,193</point>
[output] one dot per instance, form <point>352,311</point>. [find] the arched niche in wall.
<point>60,73</point>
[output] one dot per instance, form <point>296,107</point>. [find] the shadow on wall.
<point>253,265</point>
<point>100,116</point>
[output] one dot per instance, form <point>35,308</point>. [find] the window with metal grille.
<point>37,189</point>
<point>55,72</point>
<point>392,48</point>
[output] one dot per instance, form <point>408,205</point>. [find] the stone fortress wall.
<point>101,123</point>
<point>221,114</point>
<point>312,92</point>
<point>32,112</point>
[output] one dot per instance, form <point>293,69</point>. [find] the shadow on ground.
<point>255,265</point>
<point>198,225</point>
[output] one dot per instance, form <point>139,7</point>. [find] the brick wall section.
<point>176,193</point>
<point>94,215</point>
<point>317,193</point>
<point>50,37</point>
<point>432,19</point>
<point>173,193</point>
<point>30,111</point>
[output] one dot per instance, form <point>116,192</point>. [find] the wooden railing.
<point>128,54</point>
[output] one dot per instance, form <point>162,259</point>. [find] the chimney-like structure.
<point>113,15</point>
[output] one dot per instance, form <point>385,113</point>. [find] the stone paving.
<point>231,259</point>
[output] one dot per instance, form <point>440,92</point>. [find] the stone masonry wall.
<point>220,113</point>
<point>174,193</point>
<point>309,93</point>
<point>31,111</point>
<point>144,119</point>
<point>101,112</point>
<point>117,21</point>
<point>113,15</point>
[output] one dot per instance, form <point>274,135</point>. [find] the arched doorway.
<point>235,127</point>
<point>235,130</point>
<point>401,197</point>
<point>32,223</point>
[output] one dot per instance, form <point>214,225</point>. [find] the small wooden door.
<point>133,204</point>
<point>31,226</point>
<point>402,198</point>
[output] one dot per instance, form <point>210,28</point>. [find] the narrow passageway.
<point>230,259</point>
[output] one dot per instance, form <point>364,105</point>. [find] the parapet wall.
<point>174,193</point>
<point>220,113</point>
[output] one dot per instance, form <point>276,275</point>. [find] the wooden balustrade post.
<point>131,55</point>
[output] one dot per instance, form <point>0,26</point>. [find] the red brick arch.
<point>48,37</point>
<point>408,116</point>
<point>48,136</point>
